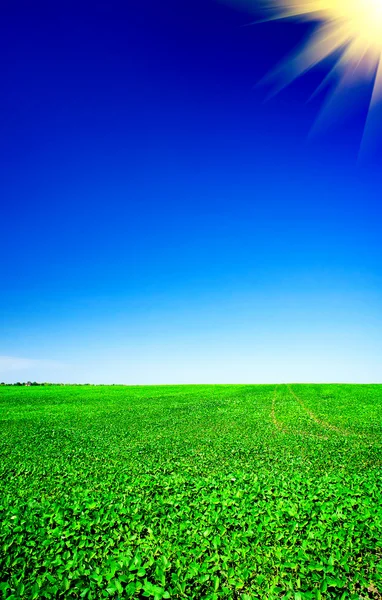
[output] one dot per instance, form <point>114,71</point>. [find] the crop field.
<point>202,492</point>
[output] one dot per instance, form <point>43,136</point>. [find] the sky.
<point>165,219</point>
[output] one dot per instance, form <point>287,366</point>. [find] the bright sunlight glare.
<point>351,28</point>
<point>349,32</point>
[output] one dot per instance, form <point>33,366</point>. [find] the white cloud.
<point>15,363</point>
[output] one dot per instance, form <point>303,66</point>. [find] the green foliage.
<point>207,492</point>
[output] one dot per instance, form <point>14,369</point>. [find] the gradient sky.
<point>162,222</point>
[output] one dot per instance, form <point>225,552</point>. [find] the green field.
<point>191,492</point>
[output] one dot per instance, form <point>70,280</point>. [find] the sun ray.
<point>350,30</point>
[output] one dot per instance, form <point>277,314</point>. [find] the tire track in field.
<point>275,421</point>
<point>315,418</point>
<point>284,428</point>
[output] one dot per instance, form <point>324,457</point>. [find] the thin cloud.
<point>15,363</point>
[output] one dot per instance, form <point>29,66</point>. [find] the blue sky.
<point>162,221</point>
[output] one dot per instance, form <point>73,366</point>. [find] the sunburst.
<point>353,28</point>
<point>350,31</point>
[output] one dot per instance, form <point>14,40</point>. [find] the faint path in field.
<point>315,418</point>
<point>275,421</point>
<point>284,428</point>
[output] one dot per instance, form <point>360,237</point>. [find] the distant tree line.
<point>26,383</point>
<point>30,383</point>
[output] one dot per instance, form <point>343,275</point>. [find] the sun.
<point>349,32</point>
<point>352,29</point>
